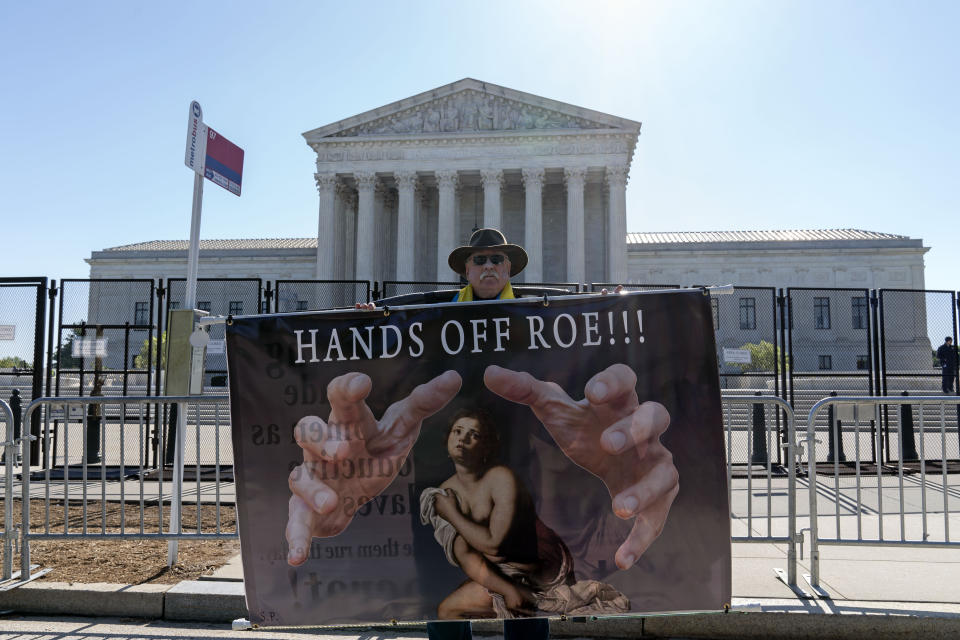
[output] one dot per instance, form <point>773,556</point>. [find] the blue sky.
<point>756,115</point>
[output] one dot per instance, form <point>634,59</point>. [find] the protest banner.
<point>483,459</point>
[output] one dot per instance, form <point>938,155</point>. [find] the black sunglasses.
<point>496,258</point>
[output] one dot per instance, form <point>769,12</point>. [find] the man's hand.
<point>365,306</point>
<point>331,484</point>
<point>611,435</point>
<point>618,289</point>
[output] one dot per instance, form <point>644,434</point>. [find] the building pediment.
<point>470,106</point>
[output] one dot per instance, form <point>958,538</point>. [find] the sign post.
<point>211,156</point>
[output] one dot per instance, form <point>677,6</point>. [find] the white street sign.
<point>736,356</point>
<point>196,153</point>
<point>89,348</point>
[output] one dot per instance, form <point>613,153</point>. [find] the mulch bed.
<point>129,561</point>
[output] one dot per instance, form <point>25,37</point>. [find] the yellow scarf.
<point>466,294</point>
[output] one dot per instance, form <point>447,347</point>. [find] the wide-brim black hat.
<point>488,239</point>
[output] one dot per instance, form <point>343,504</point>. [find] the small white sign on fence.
<point>8,332</point>
<point>736,356</point>
<point>89,348</point>
<point>216,347</point>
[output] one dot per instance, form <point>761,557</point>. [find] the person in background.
<point>947,355</point>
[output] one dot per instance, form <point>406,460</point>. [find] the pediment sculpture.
<point>470,110</point>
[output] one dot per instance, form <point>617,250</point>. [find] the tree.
<point>64,358</point>
<point>9,362</point>
<point>764,356</point>
<point>149,350</point>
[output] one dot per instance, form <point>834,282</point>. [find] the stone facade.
<point>402,185</point>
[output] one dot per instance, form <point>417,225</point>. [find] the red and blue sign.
<point>211,155</point>
<point>224,162</point>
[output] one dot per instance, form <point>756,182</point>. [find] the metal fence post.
<point>16,408</point>
<point>908,443</point>
<point>9,453</point>
<point>759,455</point>
<point>834,436</point>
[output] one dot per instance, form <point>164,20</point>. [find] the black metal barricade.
<point>748,355</point>
<point>314,295</point>
<point>610,286</point>
<point>106,346</point>
<point>104,335</point>
<point>831,346</point>
<point>393,288</point>
<point>219,297</point>
<point>23,305</point>
<point>913,324</point>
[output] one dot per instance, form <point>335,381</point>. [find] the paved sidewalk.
<point>869,593</point>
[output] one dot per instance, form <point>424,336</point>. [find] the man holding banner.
<point>522,362</point>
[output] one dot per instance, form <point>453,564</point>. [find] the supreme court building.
<point>402,185</point>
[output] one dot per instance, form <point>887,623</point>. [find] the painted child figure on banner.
<point>636,468</point>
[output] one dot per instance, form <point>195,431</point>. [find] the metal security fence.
<point>750,443</point>
<point>313,295</point>
<point>747,321</point>
<point>909,322</point>
<point>219,297</point>
<point>863,503</point>
<point>391,288</point>
<point>120,494</point>
<point>597,287</point>
<point>23,304</point>
<point>830,345</point>
<point>104,331</point>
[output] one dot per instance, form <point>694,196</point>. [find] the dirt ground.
<point>130,561</point>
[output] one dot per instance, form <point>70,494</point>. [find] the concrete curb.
<point>205,601</point>
<point>223,602</point>
<point>93,599</point>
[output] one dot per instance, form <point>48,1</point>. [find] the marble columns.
<point>533,224</point>
<point>326,236</point>
<point>446,221</point>
<point>406,224</point>
<point>616,178</point>
<point>492,180</point>
<point>576,255</point>
<point>366,225</point>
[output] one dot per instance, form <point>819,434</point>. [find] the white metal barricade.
<point>877,500</point>
<point>102,445</point>
<point>751,446</point>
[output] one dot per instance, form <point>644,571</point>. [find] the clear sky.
<point>756,115</point>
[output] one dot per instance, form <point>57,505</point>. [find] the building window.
<point>821,312</point>
<point>858,307</point>
<point>715,310</point>
<point>236,307</point>
<point>204,305</point>
<point>301,305</point>
<point>748,313</point>
<point>141,313</point>
<point>863,363</point>
<point>824,362</point>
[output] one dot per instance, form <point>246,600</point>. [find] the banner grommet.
<point>386,310</point>
<point>546,301</point>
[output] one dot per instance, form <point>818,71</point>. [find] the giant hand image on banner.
<point>492,459</point>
